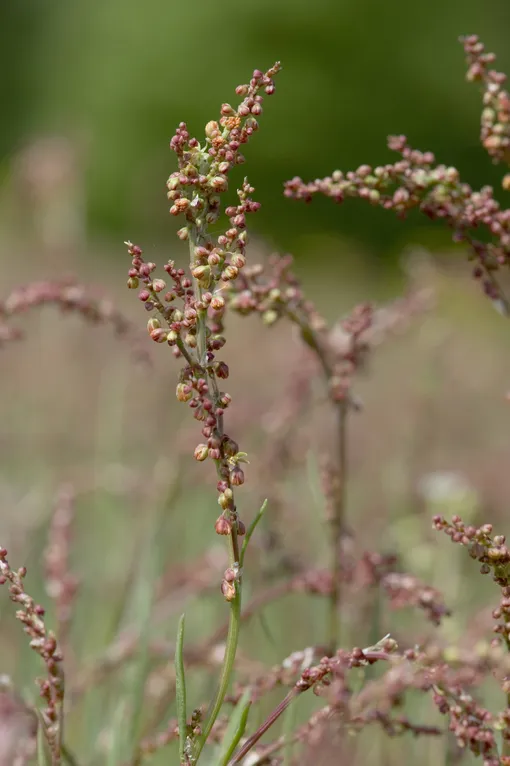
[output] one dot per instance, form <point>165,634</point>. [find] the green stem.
<point>194,240</point>
<point>228,665</point>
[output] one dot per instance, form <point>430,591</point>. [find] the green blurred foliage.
<point>118,76</point>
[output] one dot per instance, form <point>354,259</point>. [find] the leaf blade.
<point>236,728</point>
<point>180,688</point>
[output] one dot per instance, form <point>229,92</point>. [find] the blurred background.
<point>92,93</point>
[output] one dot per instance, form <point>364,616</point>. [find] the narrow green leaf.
<point>289,721</point>
<point>42,752</point>
<point>235,729</point>
<point>251,530</point>
<point>264,624</point>
<point>142,604</point>
<point>117,731</point>
<point>180,688</point>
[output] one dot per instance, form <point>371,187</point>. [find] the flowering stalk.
<point>42,641</point>
<point>493,554</point>
<point>188,317</point>
<point>416,182</point>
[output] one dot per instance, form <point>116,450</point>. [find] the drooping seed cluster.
<point>42,641</point>
<point>69,297</point>
<point>417,182</point>
<point>495,121</point>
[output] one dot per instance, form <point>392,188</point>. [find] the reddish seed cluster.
<point>490,550</point>
<point>415,181</point>
<point>203,170</point>
<point>61,583</point>
<point>43,642</point>
<point>18,727</point>
<point>195,188</point>
<point>406,590</point>
<point>350,358</point>
<point>469,722</point>
<point>403,590</point>
<point>494,556</point>
<point>188,314</point>
<point>69,298</point>
<point>437,191</point>
<point>273,292</point>
<point>177,324</point>
<point>495,122</point>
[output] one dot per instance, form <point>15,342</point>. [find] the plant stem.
<point>195,237</point>
<point>270,720</point>
<point>337,527</point>
<point>337,521</point>
<point>228,664</point>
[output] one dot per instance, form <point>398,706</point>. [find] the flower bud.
<point>211,128</point>
<point>133,283</point>
<point>184,392</point>
<point>228,590</point>
<point>183,233</point>
<point>214,259</point>
<point>202,274</point>
<point>218,302</point>
<point>223,526</point>
<point>237,476</point>
<point>229,272</point>
<point>158,285</point>
<point>238,260</point>
<point>159,335</point>
<point>224,500</point>
<point>269,317</point>
<point>153,324</point>
<point>201,452</point>
<point>230,447</point>
<point>229,575</point>
<point>173,182</point>
<point>221,370</point>
<point>219,183</point>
